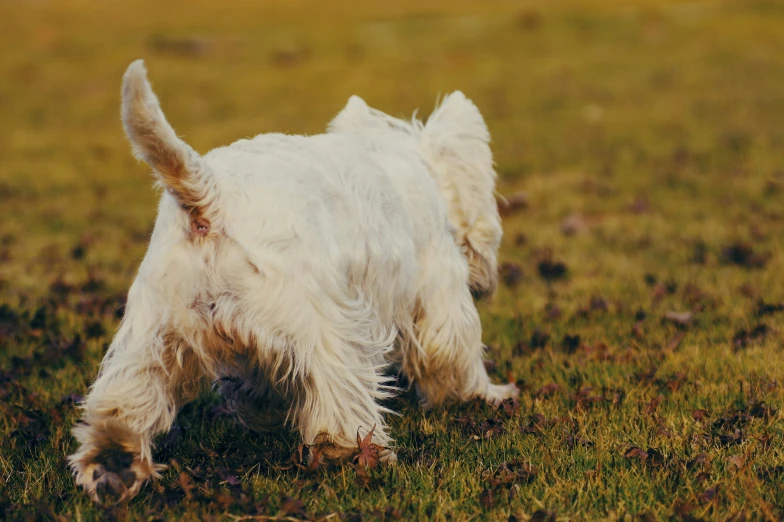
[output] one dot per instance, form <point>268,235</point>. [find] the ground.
<point>640,146</point>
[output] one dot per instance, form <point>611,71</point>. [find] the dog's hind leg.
<point>447,365</point>
<point>144,379</point>
<point>335,374</point>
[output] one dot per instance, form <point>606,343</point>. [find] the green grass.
<point>661,124</point>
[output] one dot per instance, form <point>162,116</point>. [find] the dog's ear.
<point>358,116</point>
<point>456,140</point>
<point>175,163</point>
<point>354,116</point>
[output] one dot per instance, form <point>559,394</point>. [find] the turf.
<point>640,144</point>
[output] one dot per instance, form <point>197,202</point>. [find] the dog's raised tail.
<point>456,140</point>
<point>180,168</point>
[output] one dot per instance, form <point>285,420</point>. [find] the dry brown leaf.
<point>736,460</point>
<point>368,451</point>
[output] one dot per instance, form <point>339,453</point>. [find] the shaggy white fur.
<point>292,271</point>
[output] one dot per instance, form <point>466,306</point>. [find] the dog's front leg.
<point>136,396</point>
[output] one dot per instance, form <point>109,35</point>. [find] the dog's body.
<point>298,268</point>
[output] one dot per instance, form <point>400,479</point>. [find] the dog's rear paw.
<point>112,473</point>
<point>109,487</point>
<point>498,393</point>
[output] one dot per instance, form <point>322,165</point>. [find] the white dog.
<point>293,270</point>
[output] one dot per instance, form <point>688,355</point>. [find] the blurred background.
<point>640,145</point>
<point>594,106</point>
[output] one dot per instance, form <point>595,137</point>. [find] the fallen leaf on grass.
<point>506,476</point>
<point>702,460</point>
<point>509,407</point>
<point>673,382</point>
<point>760,410</point>
<point>771,473</point>
<point>744,338</point>
<point>675,342</point>
<point>640,205</point>
<point>552,311</point>
<point>363,478</point>
<point>539,339</point>
<point>551,270</point>
<point>650,408</point>
<point>764,308</point>
<point>486,498</point>
<point>570,343</point>
<point>737,461</point>
<point>186,485</point>
<point>765,441</point>
<point>511,274</point>
<point>486,429</point>
<point>709,495</point>
<point>684,510</point>
<point>646,376</point>
<point>731,439</point>
<point>597,304</point>
<point>584,398</point>
<point>538,422</point>
<point>228,477</point>
<point>574,440</point>
<point>573,224</point>
<point>700,415</point>
<point>368,451</point>
<point>309,458</point>
<point>292,506</point>
<point>548,390</point>
<point>732,420</point>
<point>652,456</point>
<point>743,254</point>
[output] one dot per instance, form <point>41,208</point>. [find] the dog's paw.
<point>111,475</point>
<point>387,457</point>
<point>109,487</point>
<point>498,393</point>
<point>328,453</point>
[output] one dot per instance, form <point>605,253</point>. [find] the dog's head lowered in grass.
<point>296,273</point>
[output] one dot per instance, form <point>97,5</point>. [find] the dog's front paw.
<point>498,393</point>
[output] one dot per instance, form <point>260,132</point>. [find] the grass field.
<point>641,309</point>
